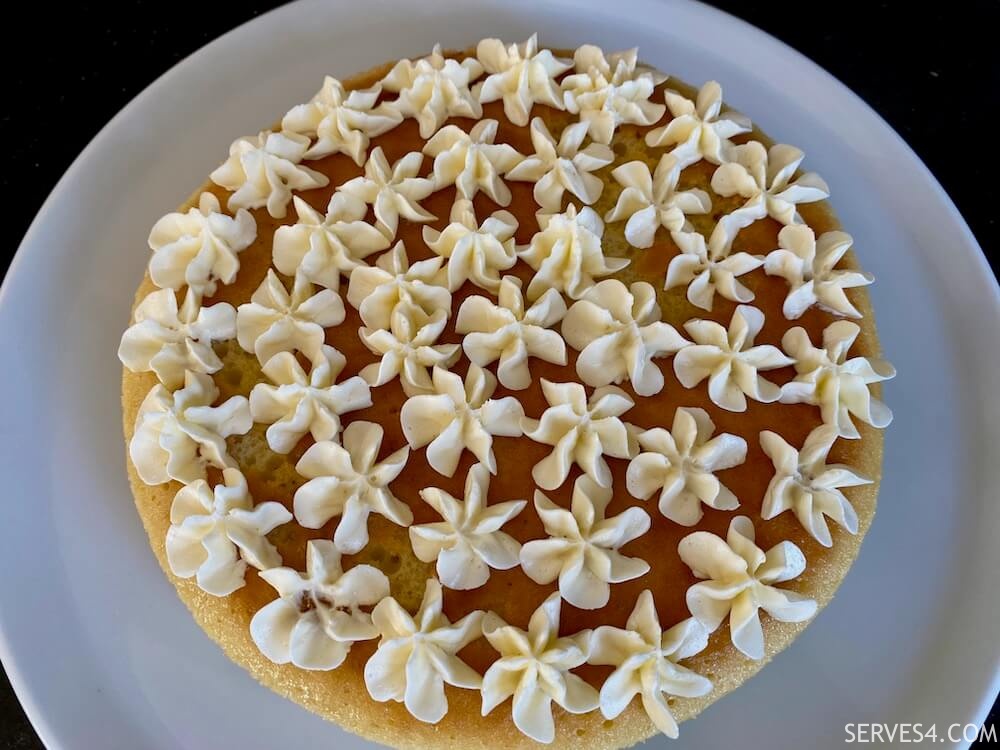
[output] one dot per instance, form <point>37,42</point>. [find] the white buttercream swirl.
<point>467,542</point>
<point>377,291</point>
<point>707,269</point>
<point>214,534</point>
<point>476,253</point>
<point>740,582</point>
<point>521,75</point>
<point>472,161</point>
<point>582,548</point>
<point>699,129</point>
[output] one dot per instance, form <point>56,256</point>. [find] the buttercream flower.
<point>417,655</point>
<point>730,361</point>
<point>349,481</point>
<point>645,659</point>
<point>699,129</point>
<point>467,542</point>
<point>318,615</point>
<point>263,171</point>
<point>837,385</point>
<point>215,534</point>
<point>681,463</point>
<point>476,253</point>
<point>521,75</point>
<point>740,581</point>
<point>809,487</point>
<point>582,548</point>
<point>707,269</point>
<point>534,667</point>
<point>508,332</point>
<point>460,416</point>
<point>472,161</point>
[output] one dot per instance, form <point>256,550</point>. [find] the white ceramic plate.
<point>100,650</point>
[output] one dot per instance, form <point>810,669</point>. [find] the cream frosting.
<point>699,129</point>
<point>681,463</point>
<point>349,481</point>
<point>460,416</point>
<point>169,342</point>
<point>298,403</point>
<point>563,167</point>
<point>177,435</point>
<point>566,254</point>
<point>520,74</point>
<point>740,581</point>
<point>318,615</point>
<point>837,385</point>
<point>610,91</point>
<point>475,252</point>
<point>581,431</point>
<point>321,248</point>
<point>809,487</point>
<point>582,550</point>
<point>651,200</point>
<point>808,265</point>
<point>263,171</point>
<point>434,88</point>
<point>416,655</point>
<point>215,534</point>
<point>275,321</point>
<point>467,542</point>
<point>534,667</point>
<point>709,268</point>
<point>341,121</point>
<point>618,332</point>
<point>764,178</point>
<point>645,659</point>
<point>730,361</point>
<point>508,332</point>
<point>199,248</point>
<point>471,161</point>
<point>393,191</point>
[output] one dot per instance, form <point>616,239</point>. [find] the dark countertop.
<point>932,80</point>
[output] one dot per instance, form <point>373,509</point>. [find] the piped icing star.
<point>475,253</point>
<point>809,487</point>
<point>376,291</point>
<point>707,269</point>
<point>508,332</point>
<point>681,463</point>
<point>764,178</point>
<point>730,361</point>
<point>566,254</point>
<point>563,167</point>
<point>393,191</point>
<point>169,342</point>
<point>320,614</point>
<point>645,659</point>
<point>650,201</point>
<point>837,385</point>
<point>215,534</point>
<point>580,431</point>
<point>434,88</point>
<point>321,248</point>
<point>472,161</point>
<point>521,75</point>
<point>582,548</point>
<point>349,481</point>
<point>740,581</point>
<point>298,403</point>
<point>416,655</point>
<point>199,248</point>
<point>263,171</point>
<point>341,121</point>
<point>534,667</point>
<point>699,129</point>
<point>467,542</point>
<point>460,415</point>
<point>610,91</point>
<point>178,435</point>
<point>275,321</point>
<point>618,332</point>
<point>808,265</point>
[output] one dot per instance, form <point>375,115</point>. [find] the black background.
<point>932,72</point>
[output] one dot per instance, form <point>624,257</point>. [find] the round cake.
<point>505,396</point>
